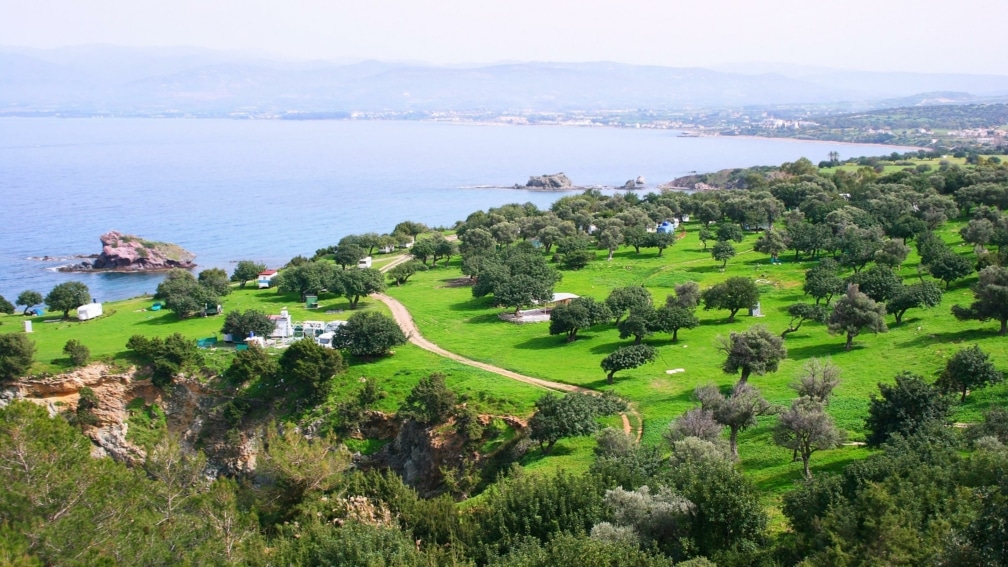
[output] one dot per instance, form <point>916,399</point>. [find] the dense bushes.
<point>166,357</point>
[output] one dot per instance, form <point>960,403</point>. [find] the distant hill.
<point>102,79</point>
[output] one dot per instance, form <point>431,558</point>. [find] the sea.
<point>268,190</point>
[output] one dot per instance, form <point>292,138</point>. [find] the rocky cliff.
<point>187,405</point>
<point>129,253</point>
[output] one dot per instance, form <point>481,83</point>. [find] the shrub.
<point>77,352</point>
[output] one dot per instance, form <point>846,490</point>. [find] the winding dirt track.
<point>409,328</point>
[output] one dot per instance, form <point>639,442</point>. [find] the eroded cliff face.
<point>186,403</point>
<point>415,452</point>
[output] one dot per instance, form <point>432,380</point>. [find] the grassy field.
<point>106,338</point>
<point>448,315</point>
<point>891,167</point>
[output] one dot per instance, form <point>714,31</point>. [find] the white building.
<point>89,311</point>
<point>266,278</point>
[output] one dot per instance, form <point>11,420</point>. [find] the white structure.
<point>325,340</point>
<point>364,262</point>
<point>313,328</point>
<point>283,325</point>
<point>331,326</point>
<point>563,297</point>
<point>89,311</point>
<point>27,326</point>
<point>266,278</point>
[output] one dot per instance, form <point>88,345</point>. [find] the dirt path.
<point>409,328</point>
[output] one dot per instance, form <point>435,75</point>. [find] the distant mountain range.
<point>114,80</point>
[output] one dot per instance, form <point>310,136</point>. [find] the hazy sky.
<point>920,35</point>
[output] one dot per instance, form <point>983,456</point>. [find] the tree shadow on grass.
<point>608,348</point>
<point>535,454</point>
<point>820,350</point>
<point>547,342</point>
<point>486,318</point>
<point>951,337</point>
<point>473,304</point>
<point>169,318</point>
<point>705,269</point>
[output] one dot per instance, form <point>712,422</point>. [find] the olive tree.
<point>243,324</point>
<point>572,415</point>
<point>818,380</point>
<point>723,251</point>
<point>755,350</point>
<point>624,299</point>
<point>855,312</point>
<point>733,294</point>
<point>68,296</point>
<point>736,411</point>
<point>245,271</point>
<point>625,358</point>
<point>805,427</point>
<point>968,369</point>
<point>29,299</point>
<point>369,334</point>
<point>801,312</point>
<point>990,299</point>
<point>579,313</point>
<point>913,296</point>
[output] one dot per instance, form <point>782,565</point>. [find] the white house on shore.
<point>266,278</point>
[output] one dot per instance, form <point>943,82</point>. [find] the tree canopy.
<point>855,312</point>
<point>625,358</point>
<point>29,299</point>
<point>754,350</point>
<point>17,352</point>
<point>246,271</point>
<point>905,407</point>
<point>990,299</point>
<point>968,369</point>
<point>579,313</point>
<point>369,334</point>
<point>243,324</point>
<point>68,296</point>
<point>517,277</point>
<point>733,294</point>
<point>183,294</point>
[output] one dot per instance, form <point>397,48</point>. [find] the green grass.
<point>147,423</point>
<point>106,336</point>
<point>452,318</point>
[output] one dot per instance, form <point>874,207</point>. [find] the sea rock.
<point>550,181</point>
<point>129,253</point>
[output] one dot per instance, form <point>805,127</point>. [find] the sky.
<point>873,35</point>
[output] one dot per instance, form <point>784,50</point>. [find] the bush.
<point>77,352</point>
<point>166,357</point>
<point>16,355</point>
<point>429,402</point>
<point>369,334</point>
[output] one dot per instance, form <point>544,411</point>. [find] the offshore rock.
<point>129,253</point>
<point>550,182</point>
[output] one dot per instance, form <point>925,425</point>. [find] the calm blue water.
<point>269,190</point>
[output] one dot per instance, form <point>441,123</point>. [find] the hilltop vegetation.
<point>796,397</point>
